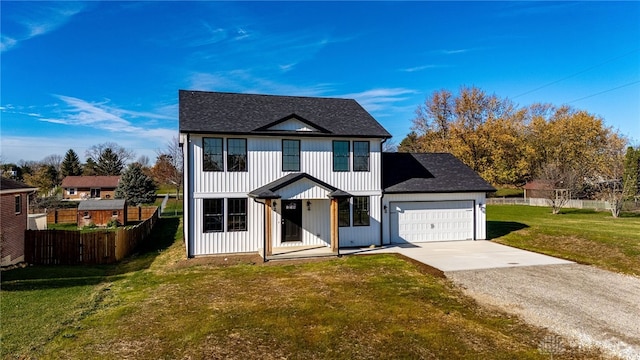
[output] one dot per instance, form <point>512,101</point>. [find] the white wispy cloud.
<point>101,116</point>
<point>30,19</point>
<point>452,51</point>
<point>248,81</point>
<point>422,67</point>
<point>382,99</point>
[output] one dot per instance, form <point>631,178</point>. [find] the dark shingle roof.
<point>232,113</point>
<point>269,191</point>
<point>10,185</point>
<point>117,204</point>
<point>429,173</point>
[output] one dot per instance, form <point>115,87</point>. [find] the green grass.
<point>73,226</point>
<point>508,192</point>
<point>584,236</point>
<point>157,305</point>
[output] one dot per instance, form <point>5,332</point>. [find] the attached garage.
<point>431,197</point>
<point>425,221</point>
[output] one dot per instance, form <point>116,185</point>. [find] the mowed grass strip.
<point>584,236</point>
<point>156,305</point>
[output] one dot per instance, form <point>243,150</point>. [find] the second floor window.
<point>18,204</point>
<point>237,155</point>
<point>290,155</point>
<point>340,155</point>
<point>212,159</point>
<point>360,156</point>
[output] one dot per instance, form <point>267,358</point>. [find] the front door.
<point>291,220</point>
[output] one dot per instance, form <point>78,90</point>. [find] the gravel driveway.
<point>586,305</point>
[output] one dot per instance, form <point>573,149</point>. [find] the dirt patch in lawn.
<point>254,259</point>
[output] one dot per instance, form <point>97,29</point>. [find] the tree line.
<point>509,145</point>
<point>138,179</point>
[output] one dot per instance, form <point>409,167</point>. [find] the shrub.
<point>113,223</point>
<point>89,226</point>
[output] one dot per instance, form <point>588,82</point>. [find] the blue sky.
<point>78,74</point>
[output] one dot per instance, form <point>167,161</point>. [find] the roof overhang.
<point>298,186</point>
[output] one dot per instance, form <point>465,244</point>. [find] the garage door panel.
<point>431,221</point>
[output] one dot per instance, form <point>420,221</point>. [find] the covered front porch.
<point>300,217</point>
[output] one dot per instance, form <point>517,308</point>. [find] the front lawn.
<point>584,236</point>
<point>157,305</point>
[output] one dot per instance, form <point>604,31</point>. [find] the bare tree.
<point>169,164</point>
<point>390,146</point>
<point>614,184</point>
<point>55,161</point>
<point>559,183</point>
<point>96,151</point>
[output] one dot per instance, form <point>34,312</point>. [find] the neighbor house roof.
<point>117,204</point>
<point>539,185</point>
<point>8,186</point>
<point>429,173</point>
<point>269,191</point>
<point>232,113</point>
<point>90,182</point>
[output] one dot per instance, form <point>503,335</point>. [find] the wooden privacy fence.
<point>70,216</point>
<point>62,216</point>
<point>67,247</point>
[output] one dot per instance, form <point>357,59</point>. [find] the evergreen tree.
<point>632,169</point>
<point>109,163</point>
<point>90,168</point>
<point>136,187</point>
<point>71,164</point>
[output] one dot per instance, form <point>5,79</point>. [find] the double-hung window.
<point>360,156</point>
<point>213,215</point>
<point>213,159</point>
<point>344,215</point>
<point>18,204</point>
<point>236,154</point>
<point>237,214</point>
<point>290,155</point>
<point>340,155</point>
<point>361,211</point>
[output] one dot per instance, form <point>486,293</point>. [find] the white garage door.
<point>431,221</point>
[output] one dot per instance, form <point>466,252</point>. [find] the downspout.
<point>382,193</point>
<point>264,231</point>
<point>187,199</point>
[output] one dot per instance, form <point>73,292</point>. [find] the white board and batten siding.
<point>264,165</point>
<point>415,218</point>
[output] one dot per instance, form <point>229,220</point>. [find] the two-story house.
<point>14,200</point>
<point>264,171</point>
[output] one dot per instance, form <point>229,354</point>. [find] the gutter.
<point>187,199</point>
<point>382,192</point>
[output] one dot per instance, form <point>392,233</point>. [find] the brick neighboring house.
<point>89,187</point>
<point>14,199</point>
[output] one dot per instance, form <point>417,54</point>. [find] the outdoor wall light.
<point>309,205</point>
<point>275,205</point>
<point>385,209</point>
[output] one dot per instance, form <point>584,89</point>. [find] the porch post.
<point>268,244</point>
<point>334,225</point>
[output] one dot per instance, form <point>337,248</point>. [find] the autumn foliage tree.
<point>510,145</point>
